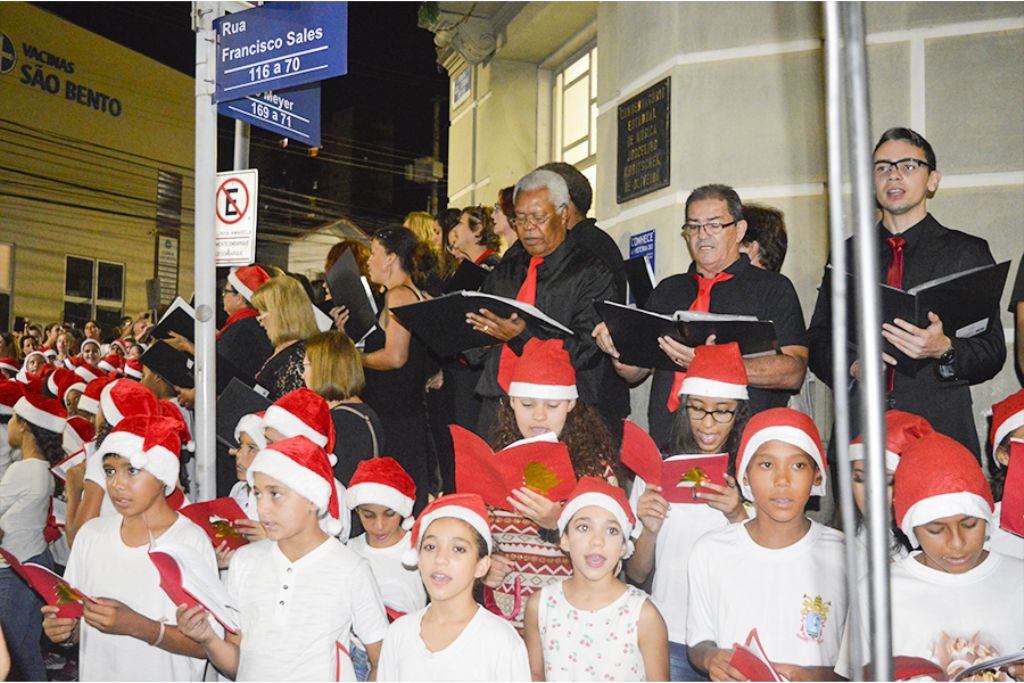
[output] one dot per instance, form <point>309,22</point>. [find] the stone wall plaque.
<point>644,143</point>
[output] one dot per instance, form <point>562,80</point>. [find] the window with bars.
<point>93,290</point>
<point>574,109</point>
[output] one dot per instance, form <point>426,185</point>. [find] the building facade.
<point>96,159</point>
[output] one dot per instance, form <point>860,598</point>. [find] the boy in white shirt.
<point>953,602</point>
<point>780,572</point>
<point>127,633</point>
<point>301,593</point>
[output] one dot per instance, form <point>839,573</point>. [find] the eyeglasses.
<point>521,221</point>
<point>712,228</point>
<point>225,292</point>
<point>908,166</point>
<point>720,416</point>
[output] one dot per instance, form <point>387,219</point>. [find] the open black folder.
<point>964,301</point>
<point>179,317</point>
<point>636,332</point>
<point>178,369</point>
<point>467,276</point>
<point>349,288</point>
<point>441,323</point>
<point>236,401</point>
<point>640,277</point>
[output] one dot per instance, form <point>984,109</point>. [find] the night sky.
<point>392,70</point>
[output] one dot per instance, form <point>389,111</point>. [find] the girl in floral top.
<point>592,626</point>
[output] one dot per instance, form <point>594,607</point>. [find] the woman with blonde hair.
<point>286,313</point>
<point>333,368</point>
<point>425,228</point>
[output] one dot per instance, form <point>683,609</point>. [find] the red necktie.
<point>701,303</point>
<point>894,278</point>
<point>528,295</point>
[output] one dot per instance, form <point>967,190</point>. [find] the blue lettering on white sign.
<point>280,45</point>
<point>461,86</point>
<point>642,244</point>
<point>294,113</point>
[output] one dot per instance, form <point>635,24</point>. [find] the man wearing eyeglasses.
<point>721,279</point>
<point>553,274</point>
<point>914,248</point>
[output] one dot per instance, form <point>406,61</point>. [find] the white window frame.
<point>558,88</point>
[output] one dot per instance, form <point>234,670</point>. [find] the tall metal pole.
<point>869,322</point>
<point>205,241</point>
<point>242,133</point>
<point>840,357</point>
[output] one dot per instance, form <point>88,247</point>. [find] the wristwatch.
<point>947,361</point>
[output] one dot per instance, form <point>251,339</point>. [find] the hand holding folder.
<point>189,580</point>
<point>681,477</point>
<point>217,518</point>
<point>52,588</point>
<point>541,464</point>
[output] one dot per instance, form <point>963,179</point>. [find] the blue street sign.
<point>642,244</point>
<point>280,45</point>
<point>294,113</point>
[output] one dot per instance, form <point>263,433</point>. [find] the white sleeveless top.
<point>580,645</point>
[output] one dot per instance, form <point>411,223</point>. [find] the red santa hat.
<point>596,491</point>
<point>253,425</point>
<point>112,363</point>
<point>90,399</point>
<point>786,425</point>
<point>544,371</point>
<point>938,477</point>
<point>469,507</point>
<point>247,280</point>
<point>42,411</point>
<point>302,466</point>
<point>170,410</point>
<point>901,430</point>
<point>125,397</point>
<point>150,442</point>
<point>10,392</point>
<point>1007,417</point>
<point>382,481</point>
<point>61,381</point>
<point>48,352</point>
<point>9,364</point>
<point>76,433</point>
<point>119,344</point>
<point>717,371</point>
<point>87,372</point>
<point>89,340</point>
<point>133,369</point>
<point>304,412</point>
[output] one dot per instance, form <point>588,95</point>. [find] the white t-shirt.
<point>794,596</point>
<point>7,454</point>
<point>680,530</point>
<point>1003,542</point>
<point>951,618</point>
<point>24,506</point>
<point>862,551</point>
<point>488,649</point>
<point>102,566</point>
<point>401,588</point>
<point>94,473</point>
<point>293,614</point>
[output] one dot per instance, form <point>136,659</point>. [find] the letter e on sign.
<point>235,203</point>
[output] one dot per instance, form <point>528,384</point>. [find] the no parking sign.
<point>236,217</point>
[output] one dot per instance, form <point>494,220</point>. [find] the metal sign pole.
<point>840,357</point>
<point>869,322</point>
<point>203,14</point>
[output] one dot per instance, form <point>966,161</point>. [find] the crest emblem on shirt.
<point>813,618</point>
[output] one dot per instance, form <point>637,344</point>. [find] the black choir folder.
<point>349,288</point>
<point>237,400</point>
<point>441,323</point>
<point>641,280</point>
<point>467,276</point>
<point>636,332</point>
<point>964,301</point>
<point>180,317</point>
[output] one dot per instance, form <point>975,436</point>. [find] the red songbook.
<point>1011,518</point>
<point>639,452</point>
<point>217,518</point>
<point>188,579</point>
<point>54,590</point>
<point>541,463</point>
<point>683,476</point>
<point>752,661</point>
<point>61,468</point>
<point>905,668</point>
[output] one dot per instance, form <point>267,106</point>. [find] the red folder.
<point>54,590</point>
<point>682,476</point>
<point>1011,518</point>
<point>217,518</point>
<point>183,580</point>
<point>639,452</point>
<point>541,464</point>
<point>905,668</point>
<point>752,661</point>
